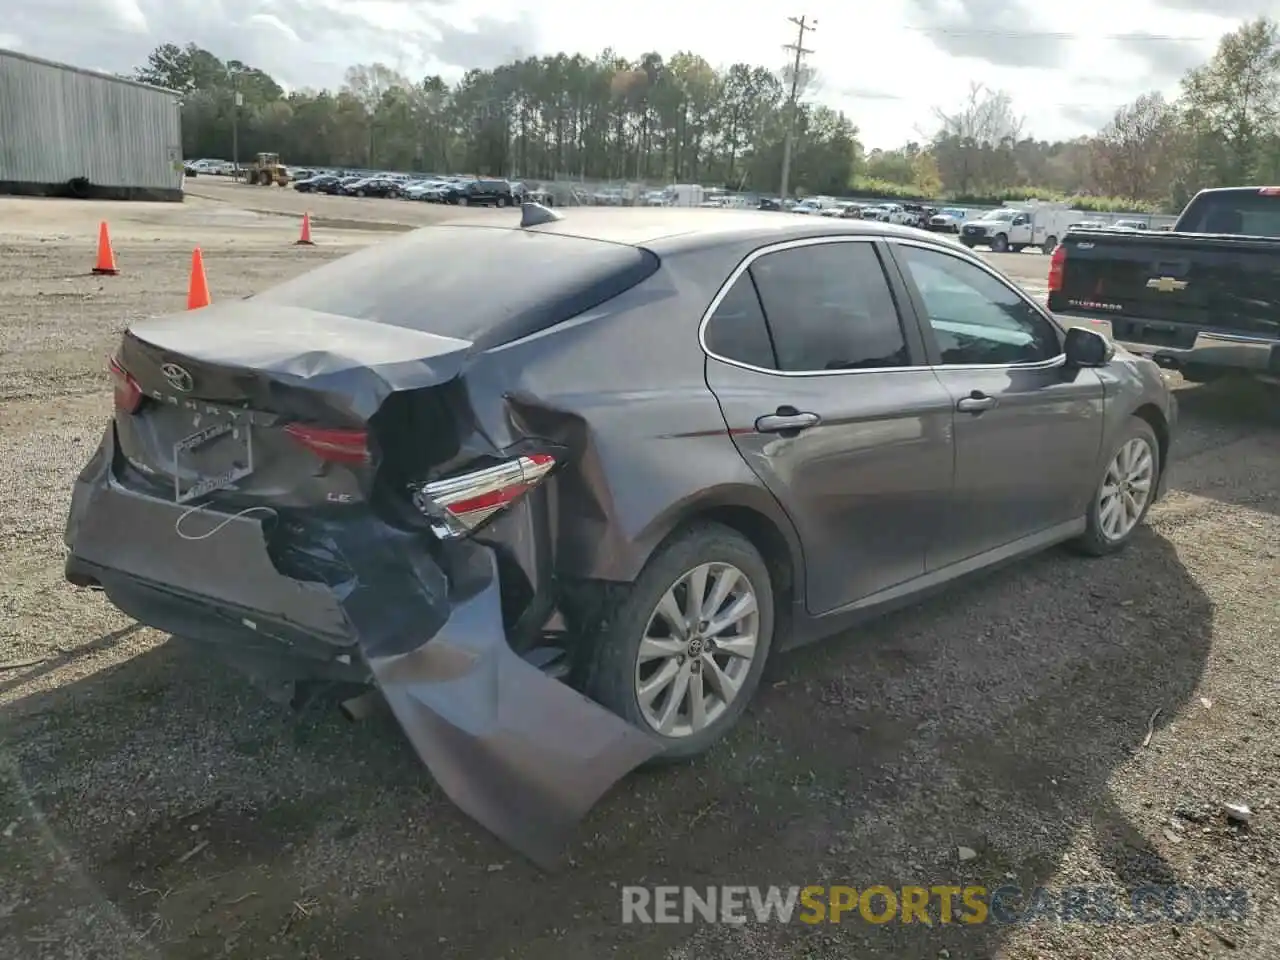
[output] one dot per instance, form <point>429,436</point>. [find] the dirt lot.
<point>151,805</point>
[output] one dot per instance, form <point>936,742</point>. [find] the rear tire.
<point>616,674</point>
<point>1050,244</point>
<point>1136,442</point>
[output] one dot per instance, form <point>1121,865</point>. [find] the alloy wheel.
<point>697,649</point>
<point>1126,489</point>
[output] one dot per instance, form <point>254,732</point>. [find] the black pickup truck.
<point>1202,299</point>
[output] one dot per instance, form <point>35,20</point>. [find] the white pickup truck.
<point>1011,229</point>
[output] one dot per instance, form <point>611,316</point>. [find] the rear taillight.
<point>128,395</point>
<point>1057,264</point>
<point>458,505</point>
<point>1269,191</point>
<point>335,445</point>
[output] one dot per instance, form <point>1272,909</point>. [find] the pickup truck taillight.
<point>458,505</point>
<point>1057,263</point>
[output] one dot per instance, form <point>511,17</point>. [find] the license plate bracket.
<point>218,454</point>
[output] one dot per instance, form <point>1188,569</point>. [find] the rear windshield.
<point>483,284</point>
<point>1244,212</point>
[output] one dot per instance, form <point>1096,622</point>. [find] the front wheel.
<point>999,243</point>
<point>1126,491</point>
<point>682,652</point>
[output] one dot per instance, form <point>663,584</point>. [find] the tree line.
<point>679,119</point>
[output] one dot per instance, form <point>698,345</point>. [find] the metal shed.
<point>65,131</point>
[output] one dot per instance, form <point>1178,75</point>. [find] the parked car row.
<point>673,195</point>
<point>210,168</point>
<point>459,190</point>
<point>1029,224</point>
<point>903,214</point>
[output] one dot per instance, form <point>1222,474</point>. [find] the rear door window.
<point>829,308</point>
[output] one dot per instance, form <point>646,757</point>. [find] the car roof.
<point>672,229</point>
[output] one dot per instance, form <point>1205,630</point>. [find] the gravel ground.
<point>151,805</point>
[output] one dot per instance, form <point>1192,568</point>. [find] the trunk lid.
<point>1203,281</point>
<point>264,403</point>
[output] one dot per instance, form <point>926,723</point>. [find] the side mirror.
<point>1087,348</point>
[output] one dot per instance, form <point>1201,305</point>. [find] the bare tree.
<point>1134,153</point>
<point>986,117</point>
<point>807,80</point>
<point>369,84</point>
<point>974,144</point>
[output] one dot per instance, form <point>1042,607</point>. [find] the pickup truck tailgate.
<point>1204,281</point>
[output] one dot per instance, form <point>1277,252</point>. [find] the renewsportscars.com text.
<point>936,904</point>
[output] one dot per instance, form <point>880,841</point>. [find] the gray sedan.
<point>561,527</point>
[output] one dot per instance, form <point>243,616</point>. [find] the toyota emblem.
<point>178,377</point>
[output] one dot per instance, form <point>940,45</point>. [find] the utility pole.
<point>803,25</point>
<point>237,100</point>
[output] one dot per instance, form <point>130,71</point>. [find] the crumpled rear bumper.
<point>522,753</point>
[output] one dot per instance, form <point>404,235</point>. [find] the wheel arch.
<point>1155,418</point>
<point>749,511</point>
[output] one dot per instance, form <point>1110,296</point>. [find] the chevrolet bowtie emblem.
<point>1166,284</point>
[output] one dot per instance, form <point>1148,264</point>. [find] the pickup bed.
<point>1203,298</point>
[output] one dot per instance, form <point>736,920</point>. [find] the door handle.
<point>976,402</point>
<point>787,422</point>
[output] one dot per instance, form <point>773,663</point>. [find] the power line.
<point>803,25</point>
<point>870,97</point>
<point>1131,37</point>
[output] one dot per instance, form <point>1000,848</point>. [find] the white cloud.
<point>887,65</point>
<point>273,27</point>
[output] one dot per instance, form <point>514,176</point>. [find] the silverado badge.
<point>1166,284</point>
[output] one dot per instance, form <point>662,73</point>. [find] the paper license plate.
<point>215,457</point>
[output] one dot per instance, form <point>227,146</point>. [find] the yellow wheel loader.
<point>267,169</point>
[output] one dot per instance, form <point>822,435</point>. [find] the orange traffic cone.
<point>198,288</point>
<point>106,264</point>
<point>305,239</point>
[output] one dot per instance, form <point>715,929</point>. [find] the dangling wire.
<point>199,508</point>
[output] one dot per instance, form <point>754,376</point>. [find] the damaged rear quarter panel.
<point>623,387</point>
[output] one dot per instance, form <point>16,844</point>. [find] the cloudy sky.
<point>888,64</point>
